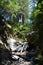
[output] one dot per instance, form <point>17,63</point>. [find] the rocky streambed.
<point>8,58</point>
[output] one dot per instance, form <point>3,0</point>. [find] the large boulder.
<point>11,43</point>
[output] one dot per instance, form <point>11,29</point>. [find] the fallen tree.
<point>23,53</point>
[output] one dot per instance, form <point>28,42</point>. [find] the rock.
<point>1,43</point>
<point>25,46</point>
<point>15,57</point>
<point>19,48</point>
<point>22,62</point>
<point>11,43</point>
<point>27,63</point>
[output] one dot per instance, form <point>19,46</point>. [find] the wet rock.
<point>1,43</point>
<point>15,57</point>
<point>22,62</point>
<point>25,46</point>
<point>17,60</point>
<point>19,48</point>
<point>13,46</point>
<point>27,63</point>
<point>11,43</point>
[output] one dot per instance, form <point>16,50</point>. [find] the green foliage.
<point>20,31</point>
<point>38,10</point>
<point>15,7</point>
<point>24,8</point>
<point>37,16</point>
<point>10,5</point>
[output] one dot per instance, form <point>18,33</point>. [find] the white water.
<point>11,43</point>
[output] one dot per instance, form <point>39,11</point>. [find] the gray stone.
<point>11,43</point>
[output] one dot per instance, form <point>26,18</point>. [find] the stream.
<point>15,46</point>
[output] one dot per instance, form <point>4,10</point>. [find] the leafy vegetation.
<point>18,30</point>
<point>37,24</point>
<point>14,7</point>
<point>10,5</point>
<point>24,8</point>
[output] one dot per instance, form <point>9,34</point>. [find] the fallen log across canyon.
<point>23,53</point>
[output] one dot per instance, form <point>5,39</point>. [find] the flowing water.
<point>7,59</point>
